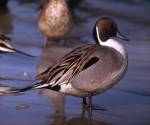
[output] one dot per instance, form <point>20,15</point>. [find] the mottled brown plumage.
<point>55,21</point>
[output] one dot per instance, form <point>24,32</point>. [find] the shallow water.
<point>127,103</point>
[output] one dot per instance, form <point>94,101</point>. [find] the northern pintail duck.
<point>6,47</point>
<point>90,69</point>
<point>55,21</point>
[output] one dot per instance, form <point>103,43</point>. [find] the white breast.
<point>113,43</point>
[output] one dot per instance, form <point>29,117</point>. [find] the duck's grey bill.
<point>121,36</point>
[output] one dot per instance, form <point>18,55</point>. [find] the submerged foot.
<point>90,107</point>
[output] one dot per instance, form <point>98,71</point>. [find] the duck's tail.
<point>17,90</point>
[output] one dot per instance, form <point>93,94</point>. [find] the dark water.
<point>128,103</point>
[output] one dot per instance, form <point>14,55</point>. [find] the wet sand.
<point>127,103</point>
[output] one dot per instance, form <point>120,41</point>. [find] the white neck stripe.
<point>112,42</point>
<point>97,33</point>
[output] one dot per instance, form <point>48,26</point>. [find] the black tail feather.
<point>27,88</point>
<point>23,53</point>
<point>18,90</point>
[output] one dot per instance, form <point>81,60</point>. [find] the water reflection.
<point>59,116</point>
<point>56,99</point>
<point>84,121</point>
<point>27,1</point>
<point>75,120</point>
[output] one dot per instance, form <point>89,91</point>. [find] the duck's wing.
<point>109,68</point>
<point>87,64</point>
<point>71,64</point>
<point>65,70</point>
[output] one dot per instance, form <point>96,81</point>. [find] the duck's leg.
<point>88,105</point>
<point>45,42</point>
<point>84,101</point>
<point>86,113</point>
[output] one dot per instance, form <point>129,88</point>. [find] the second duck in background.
<point>55,20</point>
